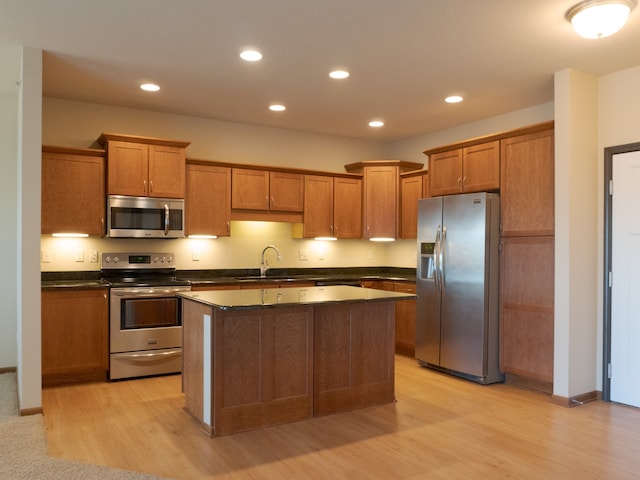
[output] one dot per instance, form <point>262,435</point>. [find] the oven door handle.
<point>150,356</point>
<point>166,219</point>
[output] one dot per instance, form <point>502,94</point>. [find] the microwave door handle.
<point>166,219</point>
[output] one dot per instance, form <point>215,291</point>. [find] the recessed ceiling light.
<point>453,99</point>
<point>149,87</point>
<point>276,107</point>
<point>376,123</point>
<point>339,74</point>
<point>251,55</point>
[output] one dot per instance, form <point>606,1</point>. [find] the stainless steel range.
<point>145,315</point>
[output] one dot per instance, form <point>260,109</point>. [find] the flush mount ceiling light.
<point>599,18</point>
<point>251,55</point>
<point>276,107</point>
<point>339,74</point>
<point>376,123</point>
<point>149,87</point>
<point>453,99</point>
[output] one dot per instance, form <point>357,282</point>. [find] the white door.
<point>625,268</point>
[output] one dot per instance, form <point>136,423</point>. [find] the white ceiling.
<point>404,56</point>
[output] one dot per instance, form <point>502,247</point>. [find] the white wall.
<point>618,124</point>
<point>411,149</point>
<point>576,226</point>
<point>8,217</point>
<point>28,218</point>
<point>79,124</point>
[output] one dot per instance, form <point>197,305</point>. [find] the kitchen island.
<point>256,358</point>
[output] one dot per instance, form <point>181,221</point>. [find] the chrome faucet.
<point>264,265</point>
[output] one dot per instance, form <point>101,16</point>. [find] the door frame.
<point>609,153</point>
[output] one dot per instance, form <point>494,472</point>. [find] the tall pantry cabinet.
<point>527,259</point>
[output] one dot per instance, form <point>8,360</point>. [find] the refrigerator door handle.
<point>441,253</point>
<point>437,258</point>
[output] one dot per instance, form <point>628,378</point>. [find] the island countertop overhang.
<point>276,297</point>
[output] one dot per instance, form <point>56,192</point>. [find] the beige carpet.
<point>23,447</point>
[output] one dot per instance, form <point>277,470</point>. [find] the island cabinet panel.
<point>354,356</point>
<point>208,200</point>
<point>261,366</point>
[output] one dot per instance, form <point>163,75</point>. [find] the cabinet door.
<point>166,171</point>
<point>208,200</point>
<point>526,307</point>
<point>318,206</point>
<point>381,202</point>
<point>425,186</point>
<point>405,320</point>
<point>526,185</point>
<point>75,336</point>
<point>73,199</point>
<point>353,356</point>
<point>286,192</point>
<point>249,189</point>
<point>481,167</point>
<point>445,173</point>
<point>127,168</point>
<point>263,362</point>
<point>347,207</point>
<point>411,188</point>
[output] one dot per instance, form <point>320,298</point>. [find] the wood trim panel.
<point>489,138</point>
<point>119,137</point>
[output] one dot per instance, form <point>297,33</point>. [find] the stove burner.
<point>140,270</point>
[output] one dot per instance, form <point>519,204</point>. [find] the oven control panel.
<point>125,260</point>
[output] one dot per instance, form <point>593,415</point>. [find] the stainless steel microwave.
<point>144,217</point>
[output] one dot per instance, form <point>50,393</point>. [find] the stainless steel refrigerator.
<point>457,322</point>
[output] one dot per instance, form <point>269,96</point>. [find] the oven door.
<point>145,318</point>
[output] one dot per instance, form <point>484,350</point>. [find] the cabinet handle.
<point>266,200</point>
<point>144,183</point>
<point>464,180</point>
<point>151,186</point>
<point>459,180</point>
<point>228,227</point>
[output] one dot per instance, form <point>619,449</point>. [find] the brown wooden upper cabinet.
<point>413,187</point>
<point>264,190</point>
<point>144,167</point>
<point>474,168</point>
<point>332,207</point>
<point>73,199</point>
<point>208,200</point>
<point>381,197</point>
<point>527,184</point>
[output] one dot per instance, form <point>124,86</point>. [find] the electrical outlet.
<point>46,256</point>
<point>303,255</point>
<point>94,256</point>
<point>80,255</point>
<point>195,255</point>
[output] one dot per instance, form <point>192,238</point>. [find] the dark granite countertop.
<point>91,279</point>
<point>273,297</point>
<point>71,280</point>
<point>353,274</point>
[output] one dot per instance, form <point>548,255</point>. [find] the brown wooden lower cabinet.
<point>353,364</point>
<point>527,312</point>
<point>405,314</point>
<point>269,366</point>
<point>75,336</point>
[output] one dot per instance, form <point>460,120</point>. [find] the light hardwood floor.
<point>440,427</point>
